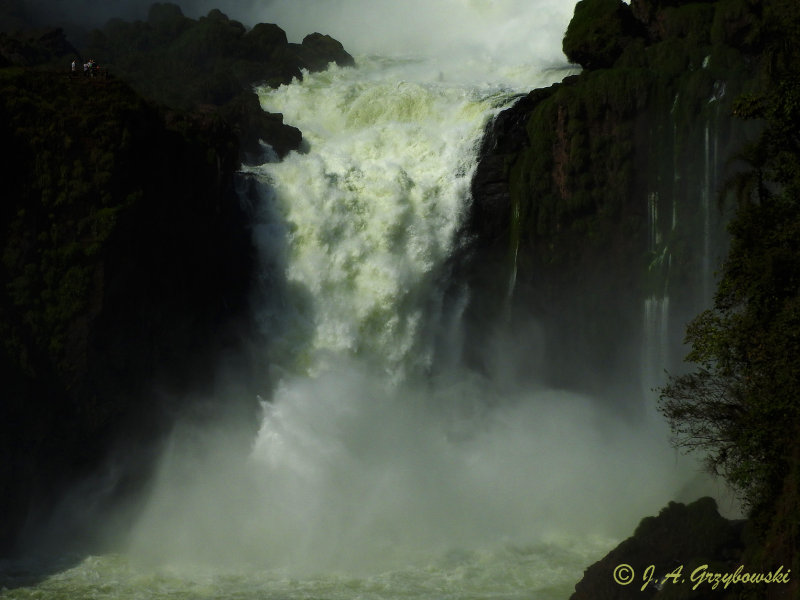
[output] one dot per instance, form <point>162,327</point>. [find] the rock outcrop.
<point>659,559</point>
<point>598,205</point>
<point>213,61</point>
<point>317,51</point>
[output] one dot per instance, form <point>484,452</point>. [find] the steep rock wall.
<point>126,263</point>
<point>601,192</point>
<point>126,251</point>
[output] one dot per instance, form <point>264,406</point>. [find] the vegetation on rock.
<point>213,61</point>
<point>120,227</point>
<point>210,63</point>
<point>602,155</point>
<point>125,252</point>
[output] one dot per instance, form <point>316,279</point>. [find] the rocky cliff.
<point>600,206</point>
<point>126,254</point>
<point>213,61</point>
<point>597,199</point>
<point>125,263</point>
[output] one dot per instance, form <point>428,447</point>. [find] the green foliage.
<point>122,253</point>
<point>84,157</point>
<point>741,406</point>
<point>68,152</point>
<point>581,137</point>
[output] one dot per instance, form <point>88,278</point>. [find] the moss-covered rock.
<point>599,32</point>
<point>601,196</point>
<point>125,263</point>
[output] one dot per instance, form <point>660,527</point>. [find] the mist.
<point>351,474</point>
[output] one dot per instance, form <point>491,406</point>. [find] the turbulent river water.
<point>376,472</point>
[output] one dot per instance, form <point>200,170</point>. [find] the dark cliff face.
<point>602,191</point>
<point>126,252</point>
<point>126,264</point>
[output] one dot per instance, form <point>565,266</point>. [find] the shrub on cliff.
<point>599,32</point>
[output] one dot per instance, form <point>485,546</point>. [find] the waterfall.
<point>371,460</point>
<point>655,327</point>
<point>705,195</point>
<point>656,341</point>
<point>697,196</point>
<point>709,190</point>
<point>653,232</point>
<point>372,209</point>
<point>366,457</point>
<point>381,466</point>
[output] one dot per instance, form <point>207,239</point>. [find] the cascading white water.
<point>365,462</point>
<point>373,208</point>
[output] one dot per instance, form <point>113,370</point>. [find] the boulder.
<point>317,51</point>
<point>599,32</point>
<point>253,124</point>
<point>263,40</point>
